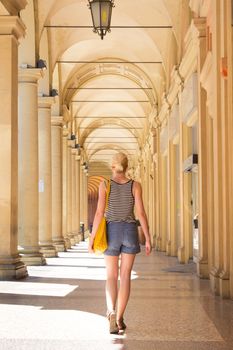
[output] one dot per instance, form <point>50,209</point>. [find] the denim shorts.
<point>122,238</point>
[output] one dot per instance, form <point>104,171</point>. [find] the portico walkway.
<point>62,306</point>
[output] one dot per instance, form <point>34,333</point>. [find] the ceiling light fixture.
<point>101,12</point>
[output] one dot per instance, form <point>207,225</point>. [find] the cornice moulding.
<point>12,25</point>
<point>14,6</point>
<point>57,121</point>
<point>46,102</point>
<point>206,79</point>
<point>30,75</point>
<point>197,30</point>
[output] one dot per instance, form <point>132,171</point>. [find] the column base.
<point>168,248</point>
<point>224,285</point>
<point>71,238</point>
<point>214,281</point>
<point>59,245</point>
<point>76,237</point>
<point>203,269</point>
<point>158,242</point>
<point>67,243</point>
<point>181,255</point>
<point>12,268</point>
<point>33,259</point>
<point>48,251</point>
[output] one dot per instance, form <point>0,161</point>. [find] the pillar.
<point>230,130</point>
<point>58,239</point>
<point>81,195</point>
<point>158,191</point>
<point>172,202</point>
<point>163,203</point>
<point>29,167</point>
<point>45,169</point>
<point>65,187</point>
<point>77,169</point>
<point>70,145</point>
<point>185,248</point>
<point>11,266</point>
<point>86,199</point>
<point>75,229</point>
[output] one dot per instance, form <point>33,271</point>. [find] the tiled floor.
<point>62,306</point>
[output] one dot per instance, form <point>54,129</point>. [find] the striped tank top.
<point>120,202</point>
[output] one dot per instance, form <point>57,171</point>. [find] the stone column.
<point>230,131</point>
<point>77,158</point>
<point>172,202</point>
<point>158,191</point>
<point>58,239</point>
<point>69,192</point>
<point>199,33</point>
<point>29,167</point>
<point>81,195</point>
<point>185,249</point>
<point>86,199</point>
<point>74,195</point>
<point>164,207</point>
<point>11,29</point>
<point>65,188</point>
<point>45,168</point>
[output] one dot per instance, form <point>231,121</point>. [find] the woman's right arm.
<point>137,192</point>
<point>98,215</point>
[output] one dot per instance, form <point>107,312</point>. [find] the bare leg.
<point>111,282</point>
<point>127,261</point>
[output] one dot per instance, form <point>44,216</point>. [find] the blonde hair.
<point>120,162</point>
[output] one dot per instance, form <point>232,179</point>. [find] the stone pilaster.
<point>203,152</point>
<point>158,191</point>
<point>45,169</point>
<point>57,238</point>
<point>29,167</point>
<point>11,265</point>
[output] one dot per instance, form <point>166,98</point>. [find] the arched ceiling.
<point>111,99</point>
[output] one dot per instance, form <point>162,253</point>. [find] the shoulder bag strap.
<point>107,194</point>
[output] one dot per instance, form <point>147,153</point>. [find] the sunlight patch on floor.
<point>36,288</point>
<point>37,323</point>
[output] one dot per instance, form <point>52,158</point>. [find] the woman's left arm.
<point>98,215</point>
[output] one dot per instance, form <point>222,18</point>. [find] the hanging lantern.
<point>101,12</point>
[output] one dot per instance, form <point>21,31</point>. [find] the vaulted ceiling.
<point>112,88</point>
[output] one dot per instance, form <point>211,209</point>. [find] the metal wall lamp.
<point>101,12</point>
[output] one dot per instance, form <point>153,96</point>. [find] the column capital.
<point>78,157</point>
<point>65,132</point>
<point>46,101</point>
<point>12,25</point>
<point>30,75</point>
<point>14,6</point>
<point>57,120</point>
<point>198,26</point>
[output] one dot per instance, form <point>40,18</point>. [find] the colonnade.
<point>185,164</point>
<point>193,157</point>
<point>42,184</point>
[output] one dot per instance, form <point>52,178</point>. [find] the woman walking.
<point>125,195</point>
